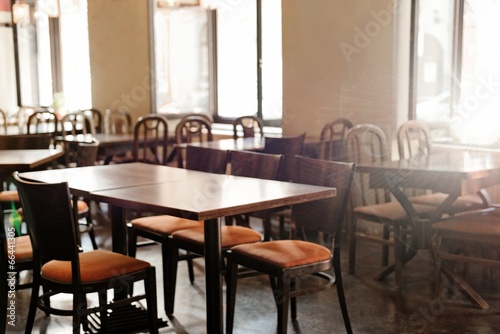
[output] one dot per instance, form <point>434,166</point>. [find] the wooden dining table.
<point>182,193</point>
<point>455,171</point>
<point>25,160</point>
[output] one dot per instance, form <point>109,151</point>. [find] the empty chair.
<point>331,145</point>
<point>42,122</point>
<point>117,121</point>
<point>60,267</point>
<point>287,261</point>
<point>159,228</point>
<point>97,116</point>
<point>248,126</point>
<point>151,139</point>
<point>366,143</point>
<point>77,122</point>
<point>289,146</point>
<point>191,129</point>
<point>414,142</point>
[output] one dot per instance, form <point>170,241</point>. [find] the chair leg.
<point>90,226</point>
<point>340,291</point>
<point>78,305</point>
<point>267,228</point>
<point>385,249</point>
<point>282,300</point>
<point>150,289</point>
<point>33,304</point>
<point>170,261</point>
<point>398,255</point>
<point>351,230</point>
<point>293,300</point>
<point>103,313</point>
<point>190,270</point>
<point>132,241</point>
<point>231,285</point>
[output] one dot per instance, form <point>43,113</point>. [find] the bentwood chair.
<point>151,139</point>
<point>248,126</point>
<point>117,121</point>
<point>415,142</point>
<point>366,143</point>
<point>77,122</point>
<point>97,116</point>
<point>331,144</point>
<point>288,261</point>
<point>60,267</point>
<point>191,129</point>
<point>159,228</point>
<point>466,239</point>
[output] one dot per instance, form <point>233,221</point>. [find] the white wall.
<point>339,61</point>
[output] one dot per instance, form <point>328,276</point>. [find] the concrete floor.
<point>374,306</point>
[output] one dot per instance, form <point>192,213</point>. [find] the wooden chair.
<point>414,142</point>
<point>467,238</point>
<point>42,122</point>
<point>287,261</point>
<point>117,121</point>
<point>97,116</point>
<point>248,126</point>
<point>159,228</point>
<point>288,146</point>
<point>192,240</point>
<point>257,165</point>
<point>151,139</point>
<point>60,267</point>
<point>366,143</point>
<point>332,138</point>
<point>77,122</point>
<point>16,256</point>
<point>190,129</point>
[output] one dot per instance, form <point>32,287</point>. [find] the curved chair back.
<point>331,145</point>
<point>151,139</point>
<point>3,121</point>
<point>414,139</point>
<point>117,121</point>
<point>96,115</point>
<point>205,159</point>
<point>248,126</point>
<point>191,129</point>
<point>77,122</point>
<point>289,147</point>
<point>255,164</point>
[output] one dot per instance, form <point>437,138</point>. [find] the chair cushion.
<point>230,236</point>
<point>393,211</point>
<point>462,203</point>
<point>285,253</point>
<point>164,224</point>
<point>9,196</point>
<point>24,251</point>
<point>95,266</point>
<point>477,226</point>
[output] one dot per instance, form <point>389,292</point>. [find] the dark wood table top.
<point>240,144</point>
<point>24,160</point>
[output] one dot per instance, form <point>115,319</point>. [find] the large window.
<point>457,73</point>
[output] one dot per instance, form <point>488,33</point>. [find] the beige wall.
<point>119,55</point>
<point>339,61</point>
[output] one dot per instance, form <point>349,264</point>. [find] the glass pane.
<point>435,54</point>
<point>237,58</point>
<point>8,101</point>
<point>182,68</point>
<point>272,64</point>
<point>75,55</point>
<point>477,120</point>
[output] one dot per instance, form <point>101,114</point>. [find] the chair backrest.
<point>3,121</point>
<point>255,164</point>
<point>366,143</point>
<point>44,121</point>
<point>331,145</point>
<point>25,141</point>
<point>77,122</point>
<point>117,121</point>
<point>151,139</point>
<point>325,215</point>
<point>248,126</point>
<point>86,154</point>
<point>289,147</point>
<point>205,159</point>
<point>97,117</point>
<point>414,140</point>
<point>49,215</point>
<point>191,129</point>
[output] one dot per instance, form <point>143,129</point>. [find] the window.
<point>457,75</point>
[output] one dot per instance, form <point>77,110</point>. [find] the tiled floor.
<point>374,306</point>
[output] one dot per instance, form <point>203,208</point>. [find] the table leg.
<point>118,229</point>
<point>213,269</point>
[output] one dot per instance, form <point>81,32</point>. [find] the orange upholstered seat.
<point>285,253</point>
<point>24,251</point>
<point>164,224</point>
<point>9,196</point>
<point>230,236</point>
<point>393,211</point>
<point>95,266</point>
